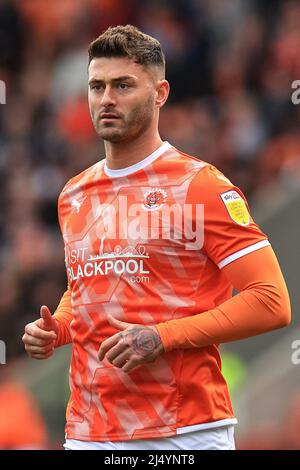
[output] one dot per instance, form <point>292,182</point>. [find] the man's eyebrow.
<point>117,79</point>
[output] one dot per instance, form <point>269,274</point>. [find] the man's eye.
<point>96,87</point>
<point>123,86</point>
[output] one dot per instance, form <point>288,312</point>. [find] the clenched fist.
<point>40,335</point>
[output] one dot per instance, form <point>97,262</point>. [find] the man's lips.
<point>109,116</point>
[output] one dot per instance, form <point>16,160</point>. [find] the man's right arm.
<point>45,334</point>
<point>63,317</point>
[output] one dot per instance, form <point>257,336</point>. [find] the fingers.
<point>45,312</point>
<point>32,341</point>
<point>115,351</point>
<point>132,347</point>
<point>42,350</point>
<point>40,357</point>
<point>48,321</point>
<point>38,343</point>
<point>132,363</point>
<point>33,329</point>
<point>108,344</point>
<point>122,358</point>
<point>38,349</point>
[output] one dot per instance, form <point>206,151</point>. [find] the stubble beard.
<point>130,127</point>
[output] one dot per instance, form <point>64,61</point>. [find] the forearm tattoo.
<point>142,340</point>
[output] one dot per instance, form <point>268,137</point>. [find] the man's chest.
<point>128,231</point>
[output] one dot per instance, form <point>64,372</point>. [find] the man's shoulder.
<point>212,177</point>
<point>178,167</point>
<point>208,182</point>
<point>176,158</point>
<point>203,172</point>
<point>84,177</point>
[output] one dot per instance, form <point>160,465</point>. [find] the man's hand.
<point>134,345</point>
<point>39,338</point>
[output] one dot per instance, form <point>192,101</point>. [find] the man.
<point>154,242</point>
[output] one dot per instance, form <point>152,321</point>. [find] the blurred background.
<point>231,65</point>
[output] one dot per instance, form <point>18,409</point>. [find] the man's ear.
<point>162,93</point>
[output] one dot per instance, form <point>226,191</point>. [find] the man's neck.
<point>122,155</point>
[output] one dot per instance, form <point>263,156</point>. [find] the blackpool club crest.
<point>154,199</point>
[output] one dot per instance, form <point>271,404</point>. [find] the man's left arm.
<point>261,305</point>
<point>235,244</point>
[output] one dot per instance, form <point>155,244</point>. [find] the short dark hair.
<point>128,41</point>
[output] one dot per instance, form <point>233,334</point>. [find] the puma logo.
<point>77,203</point>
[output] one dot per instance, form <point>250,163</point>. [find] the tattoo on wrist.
<point>142,340</point>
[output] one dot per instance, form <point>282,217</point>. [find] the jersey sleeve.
<point>261,305</point>
<point>63,313</point>
<point>229,230</point>
<point>63,316</point>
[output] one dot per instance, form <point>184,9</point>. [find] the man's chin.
<point>111,136</point>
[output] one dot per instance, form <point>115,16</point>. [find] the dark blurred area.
<point>231,65</point>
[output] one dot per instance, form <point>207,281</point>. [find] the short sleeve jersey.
<point>147,244</point>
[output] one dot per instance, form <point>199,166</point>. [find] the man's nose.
<point>108,98</point>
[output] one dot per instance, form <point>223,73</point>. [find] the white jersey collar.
<point>139,165</point>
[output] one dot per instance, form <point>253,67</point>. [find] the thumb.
<point>49,322</point>
<point>118,324</point>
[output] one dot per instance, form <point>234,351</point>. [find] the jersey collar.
<point>129,170</point>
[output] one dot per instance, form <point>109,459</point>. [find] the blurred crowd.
<point>231,65</point>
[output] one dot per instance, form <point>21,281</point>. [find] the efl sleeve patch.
<point>236,207</point>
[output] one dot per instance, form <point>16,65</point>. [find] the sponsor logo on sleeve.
<point>236,207</point>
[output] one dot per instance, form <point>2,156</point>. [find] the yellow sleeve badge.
<point>236,207</point>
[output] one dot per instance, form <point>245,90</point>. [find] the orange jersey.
<point>147,244</point>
